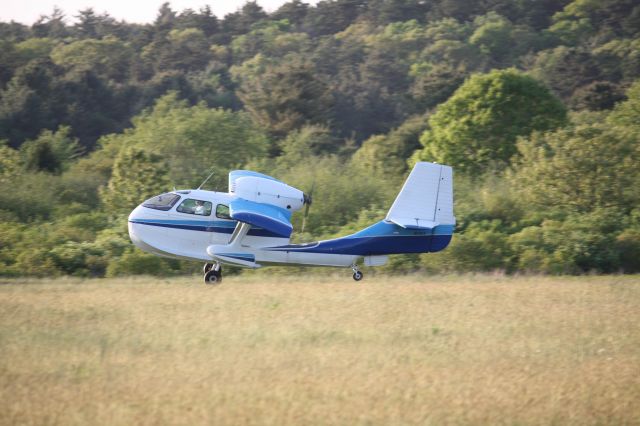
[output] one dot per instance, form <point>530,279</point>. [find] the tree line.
<point>535,103</point>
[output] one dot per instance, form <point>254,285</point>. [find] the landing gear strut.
<point>212,273</point>
<point>357,275</point>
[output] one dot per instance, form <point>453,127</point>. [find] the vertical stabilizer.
<point>426,198</point>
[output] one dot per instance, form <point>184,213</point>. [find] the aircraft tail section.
<point>426,198</point>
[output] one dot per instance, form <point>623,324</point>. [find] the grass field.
<point>410,350</point>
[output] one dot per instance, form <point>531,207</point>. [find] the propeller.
<point>307,201</point>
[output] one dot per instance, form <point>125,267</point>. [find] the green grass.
<point>410,350</point>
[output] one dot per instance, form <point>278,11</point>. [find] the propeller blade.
<point>308,200</point>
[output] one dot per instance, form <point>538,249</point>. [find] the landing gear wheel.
<point>207,267</point>
<point>357,275</point>
<point>213,277</point>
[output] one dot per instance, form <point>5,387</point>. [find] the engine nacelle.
<point>261,190</point>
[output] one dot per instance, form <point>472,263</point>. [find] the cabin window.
<point>197,207</point>
<point>222,212</point>
<point>162,202</point>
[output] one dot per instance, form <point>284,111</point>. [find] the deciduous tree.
<point>476,129</point>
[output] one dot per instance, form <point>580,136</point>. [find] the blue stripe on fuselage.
<point>384,229</point>
<point>379,239</point>
<point>240,256</point>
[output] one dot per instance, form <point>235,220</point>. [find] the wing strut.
<point>239,233</point>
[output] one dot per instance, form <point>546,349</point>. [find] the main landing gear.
<point>212,273</point>
<point>357,275</point>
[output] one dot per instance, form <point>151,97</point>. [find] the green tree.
<point>137,175</point>
<point>193,140</point>
<point>10,162</point>
<point>331,16</point>
<point>204,20</point>
<point>387,154</point>
<point>579,168</point>
<point>92,25</point>
<point>108,57</point>
<point>619,59</point>
<point>282,97</point>
<point>478,126</point>
<point>51,151</point>
<point>580,243</point>
<point>303,144</point>
<point>271,39</point>
<point>293,11</point>
<point>582,19</point>
<point>626,113</point>
<point>181,49</point>
<point>482,247</point>
<point>34,48</point>
<point>501,40</point>
<point>240,22</point>
<point>444,63</point>
<point>597,96</point>
<point>564,69</point>
<point>51,25</point>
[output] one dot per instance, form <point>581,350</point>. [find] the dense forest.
<point>535,103</point>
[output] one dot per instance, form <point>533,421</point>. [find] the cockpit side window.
<point>222,212</point>
<point>197,207</point>
<point>162,202</point>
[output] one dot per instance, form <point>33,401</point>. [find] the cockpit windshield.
<point>162,202</point>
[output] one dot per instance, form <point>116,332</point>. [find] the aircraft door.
<point>223,225</point>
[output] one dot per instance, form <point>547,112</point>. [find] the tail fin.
<point>426,199</point>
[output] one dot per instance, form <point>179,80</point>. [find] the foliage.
<point>136,262</point>
<point>282,97</point>
<point>534,102</point>
<point>9,162</point>
<point>387,154</point>
<point>193,140</point>
<point>51,152</point>
<point>137,175</point>
<point>108,57</point>
<point>477,127</point>
<point>579,168</point>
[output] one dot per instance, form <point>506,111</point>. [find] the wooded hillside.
<point>535,103</point>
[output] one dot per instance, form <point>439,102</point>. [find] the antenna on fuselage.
<point>205,181</point>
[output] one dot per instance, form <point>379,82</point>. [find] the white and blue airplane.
<point>250,226</point>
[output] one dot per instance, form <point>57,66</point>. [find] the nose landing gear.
<point>357,275</point>
<point>212,273</point>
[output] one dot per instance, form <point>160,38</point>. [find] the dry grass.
<point>413,350</point>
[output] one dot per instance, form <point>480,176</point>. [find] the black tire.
<point>358,275</point>
<point>213,277</point>
<point>207,267</point>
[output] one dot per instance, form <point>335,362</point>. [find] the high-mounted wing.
<point>237,174</point>
<point>261,215</point>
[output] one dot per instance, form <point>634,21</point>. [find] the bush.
<point>137,262</point>
<point>481,247</point>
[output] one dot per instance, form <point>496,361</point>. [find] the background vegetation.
<point>535,103</point>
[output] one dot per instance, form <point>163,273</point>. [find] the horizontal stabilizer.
<point>409,223</point>
<point>261,215</point>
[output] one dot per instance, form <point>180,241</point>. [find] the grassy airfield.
<point>287,350</point>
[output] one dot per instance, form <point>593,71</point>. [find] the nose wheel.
<point>357,275</point>
<point>212,273</point>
